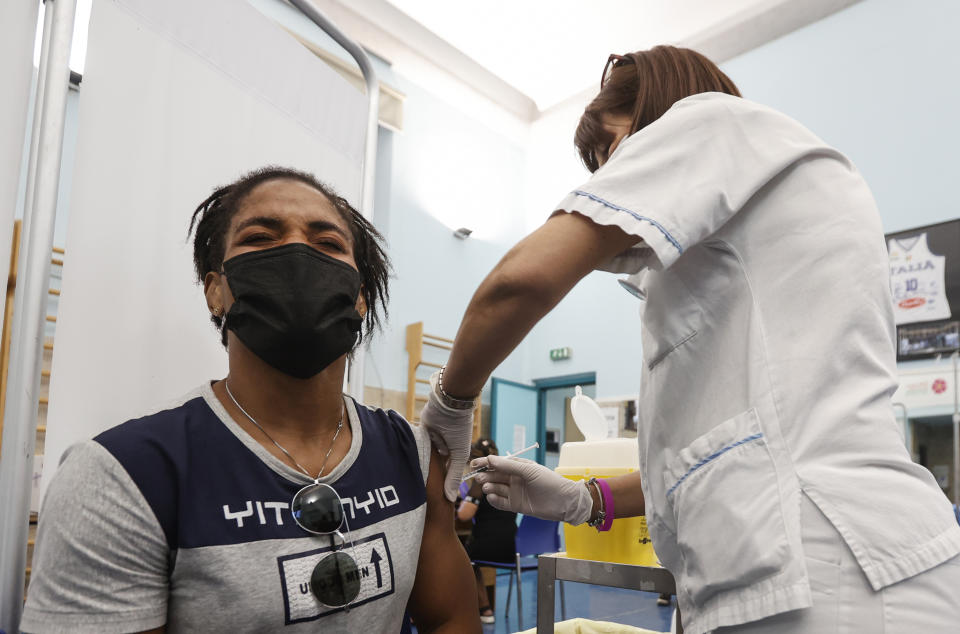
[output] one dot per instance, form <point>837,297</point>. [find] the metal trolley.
<point>558,567</point>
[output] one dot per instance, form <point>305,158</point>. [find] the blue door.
<point>513,417</point>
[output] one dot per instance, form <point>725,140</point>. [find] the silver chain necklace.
<point>226,384</point>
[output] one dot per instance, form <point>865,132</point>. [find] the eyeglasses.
<point>317,509</point>
<point>612,62</point>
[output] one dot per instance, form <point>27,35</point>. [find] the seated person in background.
<point>493,537</point>
<point>267,500</point>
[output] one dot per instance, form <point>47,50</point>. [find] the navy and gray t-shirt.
<point>181,518</point>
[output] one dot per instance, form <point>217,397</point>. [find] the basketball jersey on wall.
<point>917,281</point>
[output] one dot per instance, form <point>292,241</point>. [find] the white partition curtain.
<point>178,97</point>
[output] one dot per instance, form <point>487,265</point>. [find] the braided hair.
<point>211,221</point>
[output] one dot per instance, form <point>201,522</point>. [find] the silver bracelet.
<point>602,514</point>
<point>449,401</point>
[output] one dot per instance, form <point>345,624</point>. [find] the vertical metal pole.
<point>546,596</point>
<point>355,373</point>
<point>18,29</point>
<point>30,301</point>
<point>37,119</point>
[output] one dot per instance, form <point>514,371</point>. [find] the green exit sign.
<point>559,354</point>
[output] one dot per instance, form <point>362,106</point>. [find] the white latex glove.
<point>450,430</point>
<point>523,486</point>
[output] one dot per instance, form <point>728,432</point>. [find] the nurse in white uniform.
<point>773,476</point>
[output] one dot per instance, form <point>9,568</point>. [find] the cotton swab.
<point>535,445</point>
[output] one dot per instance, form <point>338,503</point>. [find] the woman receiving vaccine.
<point>266,500</point>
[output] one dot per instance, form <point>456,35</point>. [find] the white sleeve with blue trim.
<point>676,182</point>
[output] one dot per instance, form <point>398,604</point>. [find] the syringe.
<point>535,445</point>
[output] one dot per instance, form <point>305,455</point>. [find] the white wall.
<point>445,171</point>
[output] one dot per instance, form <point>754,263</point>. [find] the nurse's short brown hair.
<point>644,85</point>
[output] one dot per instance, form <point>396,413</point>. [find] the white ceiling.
<point>545,51</point>
<point>551,49</point>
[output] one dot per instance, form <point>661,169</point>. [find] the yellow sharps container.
<point>627,541</point>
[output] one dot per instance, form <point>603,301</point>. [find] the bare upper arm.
<point>439,508</point>
<point>443,569</point>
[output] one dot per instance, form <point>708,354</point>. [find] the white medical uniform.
<point>769,362</point>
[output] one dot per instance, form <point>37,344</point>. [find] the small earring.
<point>217,311</point>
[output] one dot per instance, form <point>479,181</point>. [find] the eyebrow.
<point>275,223</point>
<point>262,221</point>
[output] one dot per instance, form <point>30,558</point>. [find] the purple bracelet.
<point>607,504</point>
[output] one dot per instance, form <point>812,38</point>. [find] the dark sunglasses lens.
<point>336,580</point>
<point>316,508</point>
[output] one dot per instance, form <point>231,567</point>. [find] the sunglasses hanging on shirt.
<point>317,509</point>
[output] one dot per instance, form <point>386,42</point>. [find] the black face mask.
<point>294,307</point>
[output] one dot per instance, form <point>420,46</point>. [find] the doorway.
<point>932,444</point>
<point>521,414</point>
